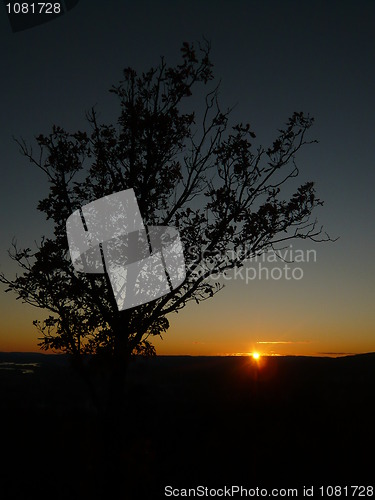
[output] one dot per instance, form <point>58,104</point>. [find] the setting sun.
<point>256,355</point>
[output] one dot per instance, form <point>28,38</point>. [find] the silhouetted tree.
<point>224,195</point>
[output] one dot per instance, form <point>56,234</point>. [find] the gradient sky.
<point>273,57</point>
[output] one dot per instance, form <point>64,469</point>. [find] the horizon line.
<point>217,355</point>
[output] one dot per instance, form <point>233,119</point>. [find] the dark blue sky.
<point>273,57</point>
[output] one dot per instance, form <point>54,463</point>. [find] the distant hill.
<point>284,421</point>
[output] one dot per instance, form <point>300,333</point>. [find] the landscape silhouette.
<point>212,421</point>
<point>147,169</point>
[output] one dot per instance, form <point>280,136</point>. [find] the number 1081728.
<point>346,491</point>
<point>34,8</point>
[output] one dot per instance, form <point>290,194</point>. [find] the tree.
<point>223,195</point>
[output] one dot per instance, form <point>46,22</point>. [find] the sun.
<point>256,355</point>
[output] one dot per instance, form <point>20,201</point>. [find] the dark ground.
<point>191,421</point>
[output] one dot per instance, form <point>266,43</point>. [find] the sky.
<point>273,58</point>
